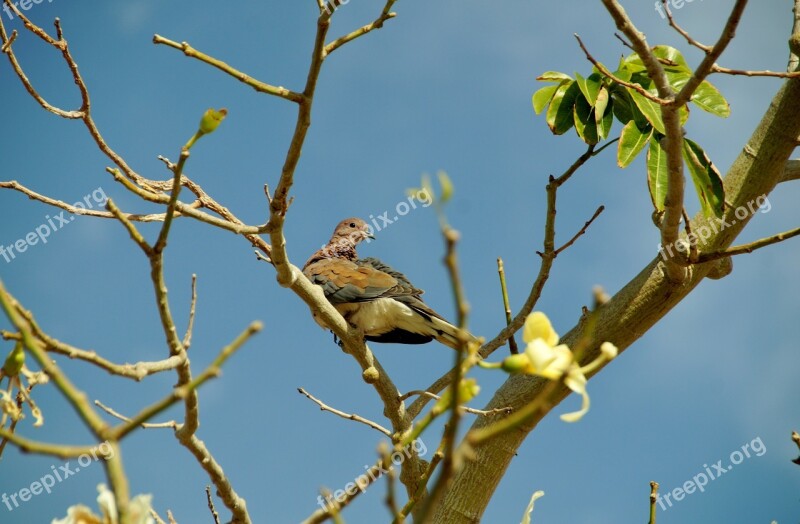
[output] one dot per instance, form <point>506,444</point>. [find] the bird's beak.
<point>370,235</point>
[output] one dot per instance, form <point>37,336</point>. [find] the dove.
<point>371,295</point>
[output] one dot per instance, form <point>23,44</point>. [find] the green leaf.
<point>678,79</point>
<point>631,63</point>
<point>559,115</point>
<point>623,74</point>
<point>600,105</point>
<point>584,121</point>
<point>706,96</point>
<point>622,104</point>
<point>605,123</point>
<point>650,110</point>
<point>542,97</point>
<point>709,99</point>
<point>553,76</point>
<point>706,178</point>
<point>669,54</point>
<point>670,58</point>
<point>683,113</point>
<point>589,86</point>
<point>631,142</point>
<point>657,173</point>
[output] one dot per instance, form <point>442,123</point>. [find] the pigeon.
<point>372,296</point>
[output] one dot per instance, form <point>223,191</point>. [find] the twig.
<point>706,49</point>
<point>334,506</point>
<point>170,424</point>
<point>43,448</point>
<point>512,342</point>
<point>182,391</point>
<point>743,72</point>
<point>747,248</point>
<point>581,232</point>
<point>187,338</point>
<point>134,233</point>
<point>16,186</point>
<point>624,42</point>
<point>348,416</point>
<point>707,64</point>
<point>466,409</point>
<point>653,498</point>
<point>259,86</point>
<point>211,507</point>
<point>156,517</point>
<point>377,24</point>
<point>134,371</point>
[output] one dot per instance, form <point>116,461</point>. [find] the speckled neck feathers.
<point>337,247</point>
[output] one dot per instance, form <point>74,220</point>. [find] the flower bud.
<point>515,363</point>
<point>14,361</point>
<point>211,119</point>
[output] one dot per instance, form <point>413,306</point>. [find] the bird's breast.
<point>376,317</point>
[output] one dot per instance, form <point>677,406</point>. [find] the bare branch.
<point>582,230</point>
<point>259,86</point>
<point>747,248</point>
<point>691,41</point>
<point>742,72</point>
<point>385,15</point>
<point>348,416</point>
<point>147,425</point>
<point>706,66</point>
<point>512,342</point>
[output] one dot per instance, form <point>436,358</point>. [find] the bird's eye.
<point>352,224</point>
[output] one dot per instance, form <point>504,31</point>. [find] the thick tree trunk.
<point>635,308</point>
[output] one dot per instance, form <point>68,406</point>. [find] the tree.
<point>462,481</point>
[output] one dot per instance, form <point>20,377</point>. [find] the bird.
<point>371,295</point>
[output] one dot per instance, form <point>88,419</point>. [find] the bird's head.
<point>352,230</point>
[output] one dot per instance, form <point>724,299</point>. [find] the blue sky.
<point>445,85</point>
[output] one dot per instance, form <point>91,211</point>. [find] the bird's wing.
<point>402,281</point>
<point>405,291</point>
<point>344,281</point>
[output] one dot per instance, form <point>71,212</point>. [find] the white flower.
<point>545,357</point>
<point>139,509</point>
<point>526,517</point>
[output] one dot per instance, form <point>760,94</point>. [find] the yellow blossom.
<point>545,357</point>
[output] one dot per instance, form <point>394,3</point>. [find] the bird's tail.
<point>436,326</point>
<point>447,334</point>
